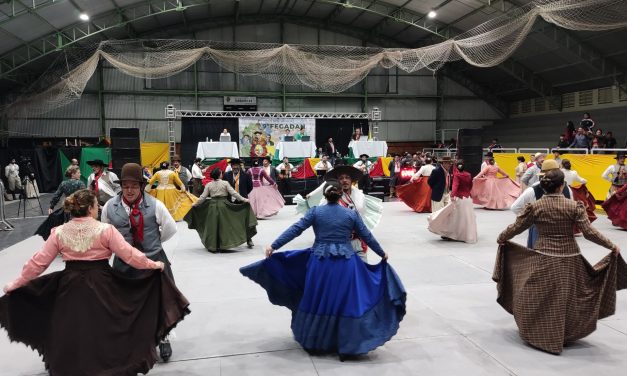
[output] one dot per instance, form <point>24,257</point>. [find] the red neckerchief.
<point>96,178</point>
<point>137,224</point>
<point>347,202</point>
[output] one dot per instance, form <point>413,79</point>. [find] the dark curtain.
<point>195,130</point>
<point>42,162</point>
<point>340,129</point>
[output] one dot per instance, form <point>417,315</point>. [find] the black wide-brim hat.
<point>620,154</point>
<point>489,154</point>
<point>235,161</point>
<point>96,162</point>
<point>364,155</point>
<point>351,171</point>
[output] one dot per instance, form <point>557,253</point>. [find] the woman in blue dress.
<point>338,302</point>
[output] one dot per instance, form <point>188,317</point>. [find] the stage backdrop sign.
<point>260,135</point>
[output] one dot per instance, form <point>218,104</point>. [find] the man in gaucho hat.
<point>369,208</point>
<point>440,182</point>
<point>144,222</point>
<point>102,181</point>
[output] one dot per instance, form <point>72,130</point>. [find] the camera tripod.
<point>23,198</point>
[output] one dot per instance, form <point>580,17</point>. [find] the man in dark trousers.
<point>330,150</point>
<point>144,222</point>
<point>440,182</point>
<point>395,171</point>
<point>239,180</point>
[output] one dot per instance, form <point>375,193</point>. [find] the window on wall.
<point>539,105</point>
<point>554,103</point>
<point>568,100</point>
<point>525,106</point>
<point>514,108</point>
<point>622,96</point>
<point>585,98</point>
<point>605,95</point>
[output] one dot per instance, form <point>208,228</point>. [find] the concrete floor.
<point>453,324</point>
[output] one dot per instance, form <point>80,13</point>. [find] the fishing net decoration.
<point>322,68</point>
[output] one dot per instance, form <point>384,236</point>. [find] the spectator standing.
<point>570,131</point>
<point>495,144</point>
<point>610,141</point>
<point>563,142</point>
<point>581,140</point>
<point>586,123</point>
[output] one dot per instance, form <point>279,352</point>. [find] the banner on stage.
<point>260,135</point>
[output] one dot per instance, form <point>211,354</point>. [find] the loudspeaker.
<point>125,147</point>
<point>469,149</point>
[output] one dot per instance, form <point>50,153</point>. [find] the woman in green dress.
<point>221,223</point>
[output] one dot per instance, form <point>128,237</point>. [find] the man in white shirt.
<point>102,181</point>
<point>530,177</point>
<point>197,176</point>
<point>284,170</point>
<point>616,174</point>
<point>12,173</point>
<point>323,166</point>
<point>571,176</point>
<point>364,165</point>
<point>533,193</point>
<point>184,174</point>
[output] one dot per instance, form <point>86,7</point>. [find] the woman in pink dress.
<point>457,220</point>
<point>88,319</point>
<point>265,200</point>
<point>492,192</point>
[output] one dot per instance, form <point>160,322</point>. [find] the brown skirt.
<point>90,320</point>
<point>556,300</point>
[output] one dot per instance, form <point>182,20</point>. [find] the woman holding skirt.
<point>88,309</point>
<point>266,200</point>
<point>177,200</point>
<point>457,220</point>
<point>417,193</point>
<point>616,208</point>
<point>220,223</point>
<point>555,295</point>
<point>492,192</point>
<point>339,303</point>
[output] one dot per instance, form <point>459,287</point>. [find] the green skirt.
<point>222,224</point>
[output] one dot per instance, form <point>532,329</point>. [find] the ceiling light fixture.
<point>432,14</point>
<point>84,17</point>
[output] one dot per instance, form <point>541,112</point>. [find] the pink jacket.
<point>82,239</point>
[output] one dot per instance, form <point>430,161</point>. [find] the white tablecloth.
<point>297,149</point>
<point>217,150</point>
<point>372,148</point>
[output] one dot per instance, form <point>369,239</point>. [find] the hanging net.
<point>322,68</point>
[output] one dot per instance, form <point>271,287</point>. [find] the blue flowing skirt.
<point>339,304</point>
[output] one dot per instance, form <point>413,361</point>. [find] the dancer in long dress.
<point>60,216</point>
<point>457,220</point>
<point>222,224</point>
<point>266,200</point>
<point>339,303</point>
<point>171,191</point>
<point>87,319</point>
<point>555,295</point>
<point>369,208</point>
<point>492,192</point>
<point>581,193</point>
<point>417,194</point>
<point>616,207</point>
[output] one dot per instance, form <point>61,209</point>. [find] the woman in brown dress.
<point>555,295</point>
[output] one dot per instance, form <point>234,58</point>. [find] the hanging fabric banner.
<point>259,136</point>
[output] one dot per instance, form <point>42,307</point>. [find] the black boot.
<point>165,350</point>
<point>250,243</point>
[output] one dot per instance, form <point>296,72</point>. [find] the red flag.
<point>221,165</point>
<point>304,171</point>
<point>377,169</point>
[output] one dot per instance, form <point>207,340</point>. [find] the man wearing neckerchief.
<point>145,223</point>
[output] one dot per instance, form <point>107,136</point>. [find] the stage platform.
<point>453,325</point>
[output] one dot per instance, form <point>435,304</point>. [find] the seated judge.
<point>285,135</point>
<point>358,136</point>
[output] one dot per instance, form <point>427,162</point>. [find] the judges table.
<point>209,150</point>
<point>372,148</point>
<point>296,149</point>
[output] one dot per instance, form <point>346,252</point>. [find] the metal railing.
<point>571,150</point>
<point>607,151</point>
